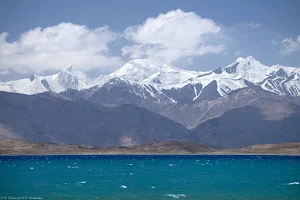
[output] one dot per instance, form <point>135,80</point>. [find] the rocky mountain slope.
<point>250,125</point>
<point>274,107</point>
<point>51,118</point>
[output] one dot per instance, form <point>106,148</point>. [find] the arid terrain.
<point>18,147</point>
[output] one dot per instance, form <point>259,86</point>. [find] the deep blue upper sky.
<point>18,16</point>
<point>276,21</point>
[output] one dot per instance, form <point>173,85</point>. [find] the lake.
<point>149,177</point>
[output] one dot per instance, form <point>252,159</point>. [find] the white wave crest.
<point>176,196</point>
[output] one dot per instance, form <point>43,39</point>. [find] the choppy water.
<point>150,177</point>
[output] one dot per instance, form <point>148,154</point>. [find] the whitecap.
<point>82,182</point>
<point>31,167</point>
<point>293,183</point>
<point>70,167</point>
<point>152,187</point>
<point>176,196</point>
<point>130,164</point>
<point>123,186</point>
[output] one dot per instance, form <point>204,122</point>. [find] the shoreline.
<point>157,154</point>
<point>12,147</point>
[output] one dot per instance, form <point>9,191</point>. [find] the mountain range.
<point>164,83</point>
<point>241,104</point>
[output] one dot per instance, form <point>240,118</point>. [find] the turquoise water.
<point>150,177</point>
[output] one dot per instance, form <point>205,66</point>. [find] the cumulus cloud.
<point>173,36</point>
<point>289,45</point>
<point>55,47</point>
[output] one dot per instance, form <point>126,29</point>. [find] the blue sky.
<point>100,36</point>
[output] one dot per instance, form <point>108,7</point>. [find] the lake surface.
<point>150,177</point>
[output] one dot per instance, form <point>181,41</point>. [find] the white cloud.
<point>289,45</point>
<point>237,53</point>
<point>254,25</point>
<point>274,42</point>
<point>57,46</point>
<point>249,25</point>
<point>173,36</point>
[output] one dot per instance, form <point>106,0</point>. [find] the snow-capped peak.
<point>72,77</point>
<point>152,74</point>
<point>240,59</point>
<point>140,69</point>
<point>74,71</point>
<point>249,68</point>
<point>148,70</point>
<point>69,67</point>
<point>249,59</point>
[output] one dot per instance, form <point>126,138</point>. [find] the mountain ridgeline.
<point>242,104</point>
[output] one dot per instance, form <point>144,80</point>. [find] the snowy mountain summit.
<point>154,80</point>
<point>69,78</point>
<point>147,70</point>
<point>277,79</point>
<point>72,77</point>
